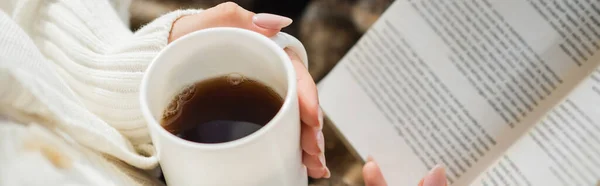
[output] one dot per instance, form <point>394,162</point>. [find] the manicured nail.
<point>320,119</point>
<point>370,158</point>
<point>327,173</point>
<point>322,160</point>
<point>321,141</point>
<point>271,21</point>
<point>435,177</point>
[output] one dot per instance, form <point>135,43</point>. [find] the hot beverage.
<point>221,109</point>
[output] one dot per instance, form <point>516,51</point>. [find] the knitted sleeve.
<point>100,59</point>
<point>87,75</point>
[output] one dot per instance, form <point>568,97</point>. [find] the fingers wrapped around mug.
<point>313,141</point>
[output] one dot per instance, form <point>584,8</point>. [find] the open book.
<point>502,92</point>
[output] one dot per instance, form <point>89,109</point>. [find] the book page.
<point>458,82</point>
<point>563,149</point>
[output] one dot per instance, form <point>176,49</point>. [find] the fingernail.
<point>370,158</point>
<point>322,160</point>
<point>327,173</point>
<point>321,141</point>
<point>435,177</point>
<point>320,119</point>
<point>271,21</point>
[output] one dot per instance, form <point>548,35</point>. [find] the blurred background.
<point>327,28</point>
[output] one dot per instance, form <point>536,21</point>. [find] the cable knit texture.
<point>76,67</point>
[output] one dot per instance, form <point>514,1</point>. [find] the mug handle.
<point>286,40</point>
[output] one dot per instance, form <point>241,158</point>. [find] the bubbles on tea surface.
<point>171,110</point>
<point>187,93</point>
<point>235,79</point>
<point>174,107</point>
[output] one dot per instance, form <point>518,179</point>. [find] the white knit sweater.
<point>74,67</point>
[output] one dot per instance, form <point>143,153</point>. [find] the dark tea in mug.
<point>221,109</point>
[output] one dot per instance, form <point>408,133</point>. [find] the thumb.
<point>229,14</point>
<point>372,174</point>
<point>435,177</point>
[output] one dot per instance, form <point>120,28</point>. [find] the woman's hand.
<point>231,15</point>
<point>373,177</point>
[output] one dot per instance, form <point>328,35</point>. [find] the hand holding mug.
<point>231,15</point>
<point>312,141</point>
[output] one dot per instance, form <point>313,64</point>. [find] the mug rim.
<point>155,125</point>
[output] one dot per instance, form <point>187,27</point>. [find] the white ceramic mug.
<point>271,156</point>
